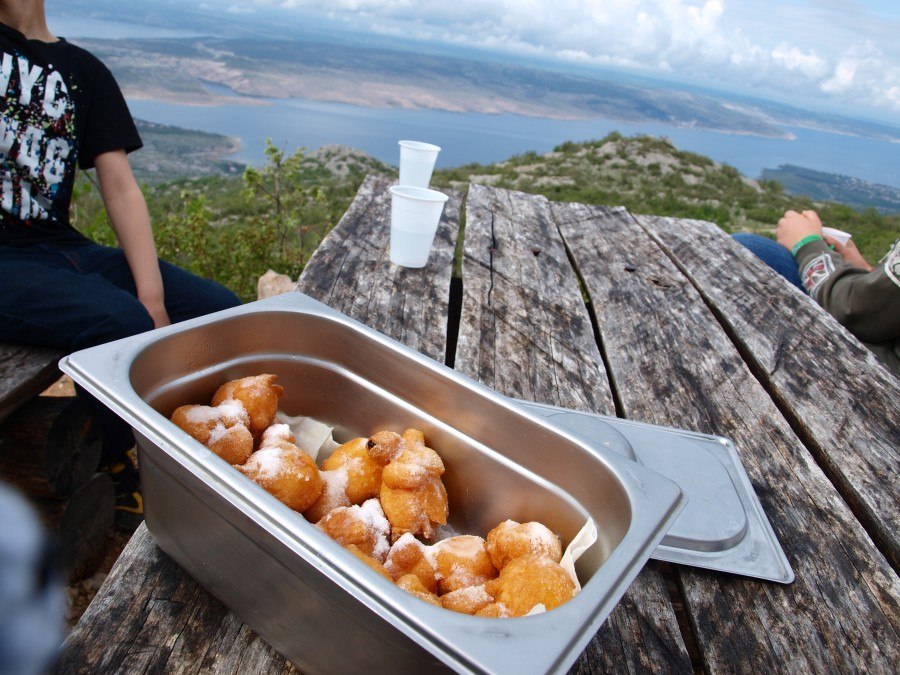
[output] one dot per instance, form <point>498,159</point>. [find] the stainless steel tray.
<point>723,526</point>
<point>307,596</point>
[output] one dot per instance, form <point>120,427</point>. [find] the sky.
<point>834,54</point>
<point>825,55</point>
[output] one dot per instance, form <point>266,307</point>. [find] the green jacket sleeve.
<point>866,303</point>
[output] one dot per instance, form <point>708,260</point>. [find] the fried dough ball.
<point>259,394</point>
<point>531,580</point>
<point>467,600</point>
<point>511,540</point>
<point>363,473</point>
<point>284,470</point>
<point>411,584</point>
<point>370,561</point>
<point>462,561</point>
<point>384,446</point>
<point>496,610</point>
<point>410,556</point>
<point>221,428</point>
<point>412,495</point>
<point>333,496</point>
<point>364,526</point>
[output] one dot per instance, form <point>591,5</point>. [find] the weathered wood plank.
<point>821,375</point>
<point>351,272</point>
<point>673,364</point>
<point>24,373</point>
<point>149,616</point>
<point>81,524</point>
<point>525,332</point>
<point>50,447</point>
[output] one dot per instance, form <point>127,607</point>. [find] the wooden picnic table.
<point>661,320</point>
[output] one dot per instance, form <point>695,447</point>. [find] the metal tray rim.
<point>593,605</point>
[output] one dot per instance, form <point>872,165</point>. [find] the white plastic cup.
<point>415,214</point>
<point>417,162</point>
<point>840,235</point>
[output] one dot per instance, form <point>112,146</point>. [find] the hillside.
<point>172,152</point>
<point>650,175</point>
<point>235,226</point>
<point>834,187</point>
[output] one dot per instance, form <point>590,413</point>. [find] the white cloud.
<point>831,48</point>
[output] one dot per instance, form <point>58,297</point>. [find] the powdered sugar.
<point>235,410</point>
<point>540,537</point>
<point>276,433</point>
<point>217,433</point>
<point>267,463</point>
<point>474,594</point>
<point>335,486</point>
<point>202,414</point>
<point>373,516</point>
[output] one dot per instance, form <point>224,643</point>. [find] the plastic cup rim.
<point>835,233</point>
<point>419,193</point>
<point>419,145</point>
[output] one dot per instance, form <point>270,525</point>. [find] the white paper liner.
<point>312,436</point>
<point>581,543</point>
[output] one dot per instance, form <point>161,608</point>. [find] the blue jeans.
<point>773,254</point>
<point>77,294</point>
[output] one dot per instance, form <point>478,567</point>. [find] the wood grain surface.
<point>842,402</point>
<point>149,616</point>
<point>525,332</point>
<point>352,273</point>
<point>50,447</point>
<point>673,364</point>
<point>24,373</point>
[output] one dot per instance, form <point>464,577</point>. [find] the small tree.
<point>285,200</point>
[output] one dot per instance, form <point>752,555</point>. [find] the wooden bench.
<point>661,320</point>
<point>50,449</point>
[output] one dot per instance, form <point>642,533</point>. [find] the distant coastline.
<point>484,138</point>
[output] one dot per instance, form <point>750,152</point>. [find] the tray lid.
<point>723,526</point>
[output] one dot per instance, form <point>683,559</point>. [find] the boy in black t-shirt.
<point>60,108</point>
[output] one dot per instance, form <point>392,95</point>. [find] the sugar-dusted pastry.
<point>284,470</point>
<point>333,496</point>
<point>461,561</point>
<point>531,580</point>
<point>511,540</point>
<point>364,526</point>
<point>384,446</point>
<point>259,394</point>
<point>496,610</point>
<point>410,556</point>
<point>412,495</point>
<point>221,428</point>
<point>363,473</point>
<point>411,584</point>
<point>370,561</point>
<point>467,600</point>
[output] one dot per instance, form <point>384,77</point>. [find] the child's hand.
<point>795,226</point>
<point>849,253</point>
<point>157,311</point>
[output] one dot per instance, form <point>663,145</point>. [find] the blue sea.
<point>473,137</point>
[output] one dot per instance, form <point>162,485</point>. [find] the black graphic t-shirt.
<point>58,105</point>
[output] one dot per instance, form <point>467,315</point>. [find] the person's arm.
<point>865,302</point>
<point>130,220</point>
